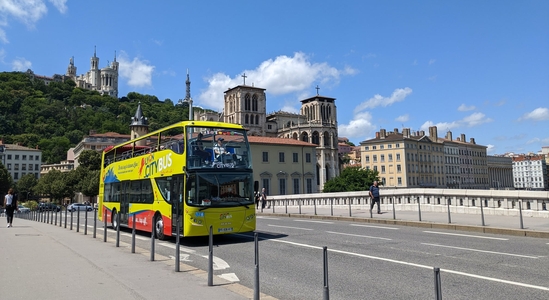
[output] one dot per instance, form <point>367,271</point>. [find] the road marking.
<point>230,277</point>
<point>310,221</point>
<point>483,251</point>
<point>184,249</point>
<point>380,227</point>
<point>184,257</point>
<point>268,218</point>
<point>364,236</point>
<point>218,263</point>
<point>289,227</point>
<point>468,235</point>
<point>416,265</point>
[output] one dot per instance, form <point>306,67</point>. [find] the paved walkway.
<point>43,261</point>
<point>510,225</point>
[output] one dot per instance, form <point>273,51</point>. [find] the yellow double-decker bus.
<point>198,170</point>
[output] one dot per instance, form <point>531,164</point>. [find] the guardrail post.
<point>419,207</point>
<point>152,241</point>
<point>210,258</point>
<point>86,222</point>
<point>482,212</point>
<point>520,214</point>
<point>118,229</point>
<point>256,269</point>
<point>94,222</point>
<point>326,288</point>
<point>449,217</point>
<point>438,284</point>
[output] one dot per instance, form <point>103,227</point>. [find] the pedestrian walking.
<point>374,196</point>
<point>9,204</point>
<point>263,197</point>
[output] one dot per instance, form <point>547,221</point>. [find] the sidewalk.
<point>43,261</point>
<point>496,224</point>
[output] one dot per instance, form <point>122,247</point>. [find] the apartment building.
<point>414,159</point>
<point>530,172</point>
<point>20,160</point>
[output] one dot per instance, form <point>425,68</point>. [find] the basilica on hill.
<point>315,123</point>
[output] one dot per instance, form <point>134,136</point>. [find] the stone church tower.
<point>139,126</point>
<point>104,80</point>
<point>246,105</point>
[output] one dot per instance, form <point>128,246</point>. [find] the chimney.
<point>377,135</point>
<point>463,138</point>
<point>472,140</point>
<point>433,134</point>
<point>457,139</point>
<point>382,134</point>
<point>422,133</point>
<point>449,135</point>
<point>396,130</point>
<point>406,132</point>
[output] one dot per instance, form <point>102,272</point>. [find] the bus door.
<point>125,202</point>
<point>176,195</point>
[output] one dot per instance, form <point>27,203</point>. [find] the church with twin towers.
<point>316,122</point>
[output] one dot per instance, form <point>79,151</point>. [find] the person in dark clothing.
<point>9,204</point>
<point>374,195</point>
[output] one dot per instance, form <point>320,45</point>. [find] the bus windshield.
<point>219,189</point>
<point>217,148</point>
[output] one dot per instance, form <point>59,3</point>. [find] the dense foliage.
<point>351,179</point>
<point>55,117</point>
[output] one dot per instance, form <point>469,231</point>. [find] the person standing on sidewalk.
<point>9,204</point>
<point>263,197</point>
<point>374,196</point>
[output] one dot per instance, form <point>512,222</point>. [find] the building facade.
<point>20,161</point>
<point>500,172</point>
<point>530,172</point>
<point>414,159</point>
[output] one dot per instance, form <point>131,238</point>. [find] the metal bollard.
<point>210,258</point>
<point>314,205</point>
<point>419,208</point>
<point>71,217</point>
<point>86,222</point>
<point>65,217</point>
<point>55,217</point>
<point>256,270</point>
<point>438,284</point>
<point>299,204</point>
<point>331,206</point>
<point>78,220</point>
<point>394,212</point>
<point>482,213</point>
<point>286,205</point>
<point>520,214</point>
<point>449,217</point>
<point>105,225</point>
<point>118,229</point>
<point>94,222</point>
<point>133,234</point>
<point>326,289</point>
<point>152,242</point>
<point>177,242</point>
<point>350,213</point>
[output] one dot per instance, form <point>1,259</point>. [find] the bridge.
<point>490,202</point>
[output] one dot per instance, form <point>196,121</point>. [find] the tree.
<point>351,179</point>
<point>89,185</point>
<point>25,185</point>
<point>55,185</point>
<point>6,182</point>
<point>90,159</point>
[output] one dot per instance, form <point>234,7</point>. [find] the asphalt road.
<point>368,261</point>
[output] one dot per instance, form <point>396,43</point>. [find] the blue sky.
<point>480,68</point>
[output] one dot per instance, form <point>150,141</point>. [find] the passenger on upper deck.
<point>219,150</point>
<point>198,149</point>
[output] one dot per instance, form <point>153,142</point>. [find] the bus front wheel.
<point>159,228</point>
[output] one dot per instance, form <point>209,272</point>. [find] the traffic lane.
<point>512,266</point>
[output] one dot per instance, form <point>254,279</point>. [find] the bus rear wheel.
<point>159,228</point>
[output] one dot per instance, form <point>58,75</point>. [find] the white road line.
<point>184,249</point>
<point>358,235</point>
<point>230,277</point>
<point>468,235</point>
<point>417,265</point>
<point>311,221</point>
<point>371,226</point>
<point>289,227</point>
<point>268,218</point>
<point>218,263</point>
<point>483,251</point>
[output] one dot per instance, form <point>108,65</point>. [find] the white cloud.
<point>137,72</point>
<point>378,100</point>
<point>21,64</point>
<point>538,114</point>
<point>432,61</point>
<point>359,127</point>
<point>490,148</point>
<point>289,108</point>
<point>464,107</point>
<point>474,119</point>
<point>403,118</point>
<point>282,75</point>
<point>25,11</point>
